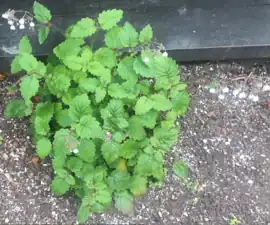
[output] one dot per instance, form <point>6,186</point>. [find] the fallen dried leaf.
<point>3,76</point>
<point>35,160</point>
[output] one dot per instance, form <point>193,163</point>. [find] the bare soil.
<point>225,142</point>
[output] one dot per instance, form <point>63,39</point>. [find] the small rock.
<point>266,87</point>
<point>225,90</point>
<point>212,90</point>
<point>236,92</point>
<point>242,95</point>
<point>221,96</point>
<point>250,182</point>
<point>5,156</point>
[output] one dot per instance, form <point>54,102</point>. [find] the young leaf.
<point>143,105</point>
<point>106,57</point>
<point>161,102</point>
<point>149,119</point>
<point>180,169</point>
<point>119,180</point>
<point>146,34</point>
<point>80,107</point>
<point>180,102</point>
<point>62,117</point>
<point>29,87</point>
<point>88,84</point>
<point>124,202</point>
<point>128,36</point>
<point>136,130</point>
<point>110,151</point>
<point>45,110</point>
<point>43,34</point>
<point>103,196</point>
<point>112,38</point>
<point>109,18</point>
<point>87,150</point>
<point>142,69</point>
<point>16,108</point>
<point>125,70</point>
<point>41,13</point>
<point>28,62</point>
<point>83,28</point>
<point>83,214</point>
<point>44,147</point>
<point>74,164</point>
<point>25,46</point>
<point>59,186</point>
<point>138,185</point>
<point>100,94</point>
<point>73,62</point>
<point>89,128</point>
<point>15,65</point>
<point>41,126</point>
<point>126,90</point>
<point>164,137</point>
<point>129,149</point>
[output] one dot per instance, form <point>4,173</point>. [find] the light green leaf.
<point>110,151</point>
<point>41,13</point>
<point>180,102</point>
<point>16,108</point>
<point>62,117</point>
<point>106,57</point>
<point>29,87</point>
<point>45,110</point>
<point>114,109</point>
<point>44,147</point>
<point>126,90</point>
<point>80,107</point>
<point>15,65</point>
<point>180,169</point>
<point>83,213</point>
<point>125,70</point>
<point>28,62</point>
<point>161,102</point>
<point>103,196</point>
<point>128,35</point>
<point>119,180</point>
<point>164,137</point>
<point>143,69</point>
<point>43,34</point>
<point>129,149</point>
<point>112,38</point>
<point>59,186</point>
<point>109,18</point>
<point>149,119</point>
<point>87,150</point>
<point>69,47</point>
<point>64,142</point>
<point>146,34</point>
<point>88,84</point>
<point>41,126</point>
<point>58,83</point>
<point>83,28</point>
<point>89,127</point>
<point>25,46</point>
<point>78,75</point>
<point>75,164</point>
<point>143,105</point>
<point>99,70</point>
<point>124,202</point>
<point>138,185</point>
<point>100,94</point>
<point>73,62</point>
<point>136,130</point>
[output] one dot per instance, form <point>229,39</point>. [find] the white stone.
<point>266,87</point>
<point>236,92</point>
<point>225,90</point>
<point>12,27</point>
<point>255,98</point>
<point>32,24</point>
<point>250,182</point>
<point>5,15</point>
<point>10,22</point>
<point>212,90</point>
<point>221,96</point>
<point>75,151</point>
<point>165,54</point>
<point>242,95</point>
<point>21,26</point>
<point>146,60</point>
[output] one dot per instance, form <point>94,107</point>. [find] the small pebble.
<point>204,141</point>
<point>221,96</point>
<point>242,95</point>
<point>236,92</point>
<point>212,90</point>
<point>225,90</point>
<point>266,87</point>
<point>255,98</point>
<point>250,181</point>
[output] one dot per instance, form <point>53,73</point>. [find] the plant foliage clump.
<point>106,116</point>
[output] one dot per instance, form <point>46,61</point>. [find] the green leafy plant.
<point>106,116</point>
<point>234,221</point>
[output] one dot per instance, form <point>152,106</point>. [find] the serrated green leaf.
<point>138,185</point>
<point>87,150</point>
<point>15,65</point>
<point>167,72</point>
<point>149,119</point>
<point>161,102</point>
<point>64,142</point>
<point>112,38</point>
<point>62,117</point>
<point>125,70</point>
<point>28,62</point>
<point>25,46</point>
<point>78,75</point>
<point>110,151</point>
<point>83,214</point>
<point>128,35</point>
<point>143,69</point>
<point>124,202</point>
<point>114,109</point>
<point>180,169</point>
<point>40,71</point>
<point>43,34</point>
<point>73,62</point>
<point>89,127</point>
<point>145,87</point>
<point>106,57</point>
<point>129,149</point>
<point>59,186</point>
<point>119,137</point>
<point>119,180</point>
<point>41,126</point>
<point>80,107</point>
<point>69,47</point>
<point>29,87</point>
<point>126,90</point>
<point>136,130</point>
<point>180,102</point>
<point>83,28</point>
<point>45,110</point>
<point>44,147</point>
<point>58,83</point>
<point>143,105</point>
<point>109,18</point>
<point>16,108</point>
<point>164,137</point>
<point>146,34</point>
<point>41,13</point>
<point>100,94</point>
<point>68,97</point>
<point>99,70</point>
<point>74,164</point>
<point>103,196</point>
<point>88,84</point>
